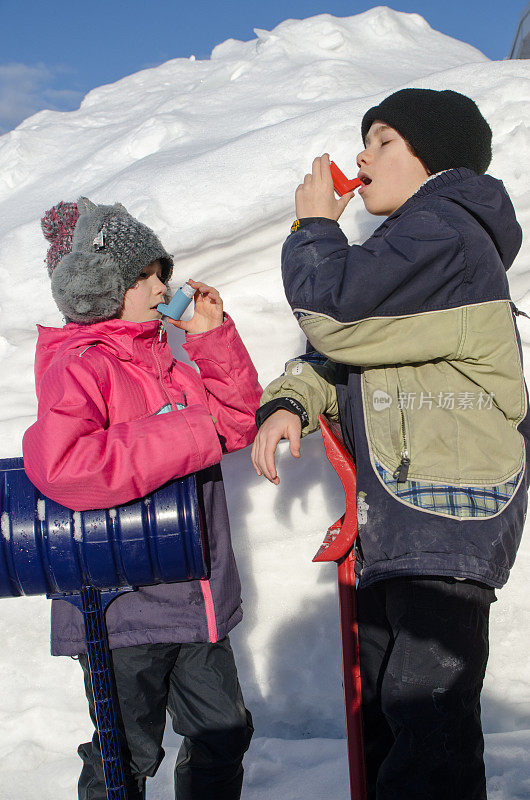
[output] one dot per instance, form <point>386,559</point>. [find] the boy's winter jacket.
<point>424,371</point>
<point>117,418</point>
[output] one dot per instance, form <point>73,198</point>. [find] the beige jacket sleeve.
<point>312,385</point>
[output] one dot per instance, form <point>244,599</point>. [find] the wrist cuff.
<point>287,403</point>
<point>301,223</point>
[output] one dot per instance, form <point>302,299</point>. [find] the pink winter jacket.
<point>100,440</point>
<point>118,417</point>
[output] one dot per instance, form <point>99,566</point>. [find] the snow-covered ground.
<point>209,153</point>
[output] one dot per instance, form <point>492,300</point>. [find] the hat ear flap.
<point>88,287</point>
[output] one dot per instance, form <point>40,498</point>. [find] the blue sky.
<point>52,54</point>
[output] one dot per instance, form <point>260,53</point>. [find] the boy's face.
<point>141,300</point>
<point>390,172</point>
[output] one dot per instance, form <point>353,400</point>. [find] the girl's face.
<point>141,300</point>
<point>390,172</point>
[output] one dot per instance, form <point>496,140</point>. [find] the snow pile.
<point>209,153</point>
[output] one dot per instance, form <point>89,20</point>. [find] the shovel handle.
<point>337,546</point>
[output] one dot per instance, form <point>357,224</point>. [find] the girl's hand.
<point>315,197</point>
<point>208,310</point>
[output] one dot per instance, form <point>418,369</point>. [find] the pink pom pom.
<point>58,225</point>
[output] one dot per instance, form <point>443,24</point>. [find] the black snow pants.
<point>423,652</point>
<point>198,685</point>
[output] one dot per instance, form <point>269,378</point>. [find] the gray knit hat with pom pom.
<point>96,254</point>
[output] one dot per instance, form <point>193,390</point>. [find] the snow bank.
<point>208,153</point>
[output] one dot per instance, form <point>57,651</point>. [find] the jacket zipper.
<point>159,368</point>
<point>402,471</point>
<point>205,583</point>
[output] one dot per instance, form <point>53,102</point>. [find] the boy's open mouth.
<point>364,178</point>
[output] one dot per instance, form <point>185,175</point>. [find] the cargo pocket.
<point>446,634</point>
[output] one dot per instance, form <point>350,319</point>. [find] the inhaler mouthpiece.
<point>178,303</point>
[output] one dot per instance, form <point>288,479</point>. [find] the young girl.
<point>117,418</point>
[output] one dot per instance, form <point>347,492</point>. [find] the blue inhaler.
<point>178,303</point>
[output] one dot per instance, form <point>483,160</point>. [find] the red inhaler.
<point>341,183</point>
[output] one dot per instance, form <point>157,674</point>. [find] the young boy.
<point>423,368</point>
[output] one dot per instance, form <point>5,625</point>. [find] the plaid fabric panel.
<point>457,501</point>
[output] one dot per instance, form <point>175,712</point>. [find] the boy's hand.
<point>315,197</point>
<point>208,310</point>
<point>280,425</point>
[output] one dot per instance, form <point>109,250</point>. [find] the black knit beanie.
<point>445,129</point>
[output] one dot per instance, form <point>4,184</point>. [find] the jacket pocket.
<point>430,422</point>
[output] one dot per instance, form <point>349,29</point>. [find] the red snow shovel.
<point>338,546</point>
